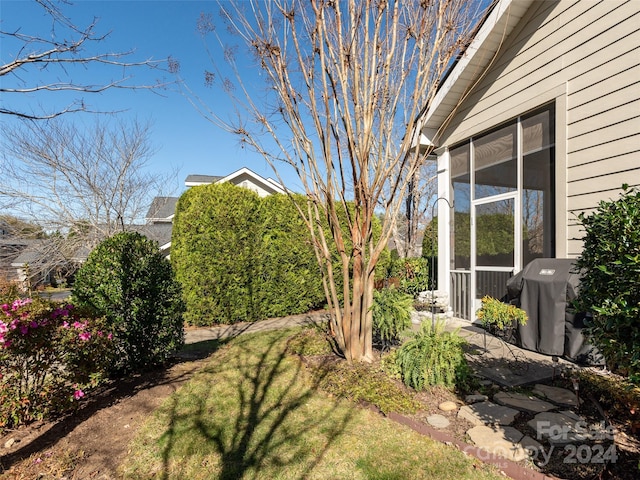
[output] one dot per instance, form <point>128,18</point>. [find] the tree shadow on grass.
<point>107,396</point>
<point>268,392</point>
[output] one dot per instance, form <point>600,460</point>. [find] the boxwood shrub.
<point>127,280</point>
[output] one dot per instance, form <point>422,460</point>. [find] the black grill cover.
<point>544,289</point>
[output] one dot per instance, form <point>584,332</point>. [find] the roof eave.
<point>471,66</point>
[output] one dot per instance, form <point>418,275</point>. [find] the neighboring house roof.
<point>473,64</point>
<point>195,180</point>
<point>158,232</point>
<point>162,209</point>
<point>243,178</point>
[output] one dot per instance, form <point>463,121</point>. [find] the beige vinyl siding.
<point>585,55</point>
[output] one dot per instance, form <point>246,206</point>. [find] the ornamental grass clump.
<point>50,356</point>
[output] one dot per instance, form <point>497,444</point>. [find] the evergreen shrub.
<point>240,257</point>
<point>128,281</point>
<point>609,287</point>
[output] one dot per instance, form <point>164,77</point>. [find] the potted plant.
<point>499,317</point>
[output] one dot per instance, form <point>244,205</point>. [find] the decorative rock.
<point>438,421</point>
<point>559,396</point>
<point>488,413</point>
<point>437,298</point>
<point>523,402</point>
<point>559,428</point>
<point>502,441</point>
<point>448,406</point>
<point>476,398</point>
<point>485,383</point>
<point>533,447</point>
<point>9,443</point>
<point>419,317</point>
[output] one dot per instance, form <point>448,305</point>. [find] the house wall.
<point>584,56</point>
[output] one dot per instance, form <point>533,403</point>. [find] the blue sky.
<point>154,29</point>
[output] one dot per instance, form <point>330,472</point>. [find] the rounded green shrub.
<point>609,286</point>
<point>128,281</point>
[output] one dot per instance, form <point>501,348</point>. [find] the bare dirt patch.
<point>91,442</point>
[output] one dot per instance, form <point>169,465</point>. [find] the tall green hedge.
<point>240,257</point>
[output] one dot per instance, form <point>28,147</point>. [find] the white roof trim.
<point>476,58</point>
<point>268,182</point>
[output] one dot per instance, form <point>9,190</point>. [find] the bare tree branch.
<point>67,46</point>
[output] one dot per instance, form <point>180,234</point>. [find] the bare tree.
<point>345,80</point>
<point>80,185</point>
<point>56,53</point>
<point>415,211</point>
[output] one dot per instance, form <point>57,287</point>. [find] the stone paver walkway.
<point>494,434</point>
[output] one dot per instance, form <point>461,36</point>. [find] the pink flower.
<point>3,327</point>
<point>79,325</point>
<point>78,394</point>
<point>65,324</point>
<point>33,324</point>
<point>110,336</point>
<point>24,329</point>
<point>85,336</point>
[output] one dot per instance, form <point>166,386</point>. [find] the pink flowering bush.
<point>50,355</point>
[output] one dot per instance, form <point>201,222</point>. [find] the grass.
<point>256,412</point>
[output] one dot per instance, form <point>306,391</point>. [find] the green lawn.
<point>254,412</point>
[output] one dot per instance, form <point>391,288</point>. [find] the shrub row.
<point>240,257</point>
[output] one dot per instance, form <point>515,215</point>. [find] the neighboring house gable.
<point>538,121</point>
<point>242,178</point>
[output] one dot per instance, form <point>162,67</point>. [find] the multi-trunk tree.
<point>346,83</point>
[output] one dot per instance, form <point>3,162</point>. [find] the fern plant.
<point>391,312</point>
<point>434,357</point>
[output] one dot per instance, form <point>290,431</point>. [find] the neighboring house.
<point>10,250</point>
<point>242,178</point>
<point>41,263</point>
<point>537,121</point>
<point>160,214</point>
